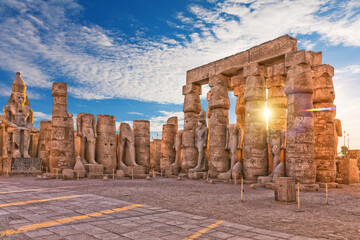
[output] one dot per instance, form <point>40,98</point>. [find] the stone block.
<point>192,103</point>
<point>303,57</point>
<point>68,174</point>
<point>81,173</point>
<point>220,80</point>
<point>197,175</point>
<point>273,49</point>
<point>133,170</point>
<point>21,165</point>
<point>172,170</point>
<point>349,171</point>
<point>285,189</point>
<point>323,69</point>
<point>120,174</point>
<point>94,168</point>
<point>224,176</point>
<point>275,81</point>
<point>232,64</point>
<point>201,73</point>
<point>254,69</point>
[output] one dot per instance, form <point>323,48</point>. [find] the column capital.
<point>254,69</point>
<point>303,57</point>
<point>191,88</point>
<point>219,80</point>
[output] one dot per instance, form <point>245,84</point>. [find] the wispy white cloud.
<point>135,113</point>
<point>156,122</point>
<point>43,41</point>
<point>40,116</point>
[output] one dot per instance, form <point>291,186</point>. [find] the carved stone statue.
<point>86,130</point>
<point>276,141</point>
<point>201,137</point>
<point>234,142</point>
<point>126,147</point>
<point>337,133</point>
<point>177,147</point>
<point>18,120</point>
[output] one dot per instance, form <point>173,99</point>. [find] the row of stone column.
<point>295,87</point>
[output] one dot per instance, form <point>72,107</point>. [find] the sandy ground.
<point>340,219</point>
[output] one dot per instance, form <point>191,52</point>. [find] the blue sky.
<point>129,58</point>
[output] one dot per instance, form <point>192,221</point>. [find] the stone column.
<point>192,108</point>
<point>239,91</point>
<point>141,129</point>
<point>105,147</point>
<point>300,143</point>
<point>152,156</point>
<point>323,97</point>
<point>77,141</point>
<point>255,147</point>
<point>157,143</point>
<point>34,140</point>
<point>167,152</point>
<point>219,106</point>
<point>62,153</point>
<point>276,101</point>
<point>44,145</point>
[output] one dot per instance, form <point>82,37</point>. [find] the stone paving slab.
<point>142,222</point>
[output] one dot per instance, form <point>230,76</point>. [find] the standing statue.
<point>177,147</point>
<point>337,133</point>
<point>126,147</point>
<point>276,141</point>
<point>18,120</point>
<point>86,130</point>
<point>201,137</point>
<point>234,140</point>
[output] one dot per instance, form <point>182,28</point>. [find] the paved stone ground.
<point>139,222</point>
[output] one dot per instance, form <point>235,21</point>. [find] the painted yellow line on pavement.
<point>63,220</point>
<point>40,200</point>
<point>43,189</point>
<point>202,231</point>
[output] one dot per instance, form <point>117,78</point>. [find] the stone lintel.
<point>322,69</point>
<point>191,88</point>
<point>232,65</point>
<point>303,57</point>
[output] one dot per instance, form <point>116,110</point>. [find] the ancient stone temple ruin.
<point>291,83</point>
<point>298,140</point>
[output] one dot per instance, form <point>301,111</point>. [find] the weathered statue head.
<point>202,118</point>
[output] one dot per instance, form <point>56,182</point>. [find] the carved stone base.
<point>285,189</point>
<point>197,175</point>
<point>309,187</point>
<point>262,180</point>
<point>330,185</point>
<point>136,170</point>
<point>81,173</point>
<point>172,170</point>
<point>20,165</point>
<point>94,170</point>
<point>224,176</point>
